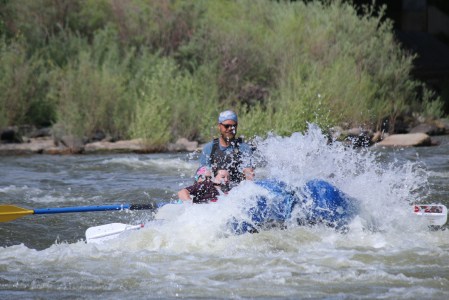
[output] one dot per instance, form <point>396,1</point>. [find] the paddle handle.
<point>59,210</point>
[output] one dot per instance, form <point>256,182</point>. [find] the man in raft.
<point>228,152</point>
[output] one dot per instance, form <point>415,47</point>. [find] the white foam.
<point>385,191</point>
<point>385,249</point>
<point>146,163</point>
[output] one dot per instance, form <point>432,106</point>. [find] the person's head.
<point>221,176</point>
<point>203,173</point>
<point>227,124</point>
<point>221,180</point>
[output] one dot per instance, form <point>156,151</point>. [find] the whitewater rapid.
<point>387,252</point>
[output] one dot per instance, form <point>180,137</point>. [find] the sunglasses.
<point>227,126</point>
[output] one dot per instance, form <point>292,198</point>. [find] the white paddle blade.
<point>435,214</point>
<point>99,234</point>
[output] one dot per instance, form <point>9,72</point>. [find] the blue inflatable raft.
<point>319,202</point>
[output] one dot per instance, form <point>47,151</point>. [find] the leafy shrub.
<point>91,90</point>
<point>164,69</point>
<point>23,82</point>
<point>170,104</point>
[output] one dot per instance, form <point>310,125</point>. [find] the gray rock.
<point>35,146</point>
<point>406,140</point>
<point>377,136</point>
<point>136,145</point>
<point>183,144</point>
<point>429,129</point>
<point>73,143</point>
<point>41,132</point>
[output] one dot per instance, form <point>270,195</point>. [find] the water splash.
<point>384,191</point>
<point>196,256</point>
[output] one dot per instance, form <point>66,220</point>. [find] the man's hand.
<point>248,173</point>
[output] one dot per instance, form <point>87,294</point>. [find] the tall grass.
<point>23,86</point>
<point>161,70</point>
<point>171,103</point>
<point>91,90</point>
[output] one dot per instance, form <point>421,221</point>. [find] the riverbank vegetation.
<point>160,70</point>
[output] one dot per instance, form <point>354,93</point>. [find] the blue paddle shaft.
<point>60,210</point>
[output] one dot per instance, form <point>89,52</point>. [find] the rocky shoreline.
<point>47,145</point>
<point>43,141</point>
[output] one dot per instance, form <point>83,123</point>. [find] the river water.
<point>388,253</point>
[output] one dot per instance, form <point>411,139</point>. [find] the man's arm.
<point>247,161</point>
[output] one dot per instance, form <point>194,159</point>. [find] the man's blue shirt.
<point>244,148</point>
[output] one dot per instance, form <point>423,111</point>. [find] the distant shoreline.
<point>47,145</point>
<point>69,145</point>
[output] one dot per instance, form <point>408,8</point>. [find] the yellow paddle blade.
<point>11,212</point>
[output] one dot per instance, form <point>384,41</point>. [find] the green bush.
<point>309,62</point>
<point>161,70</point>
<point>38,20</point>
<point>170,104</point>
<point>23,86</point>
<point>91,90</point>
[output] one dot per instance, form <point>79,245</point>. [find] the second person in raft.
<point>206,189</point>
